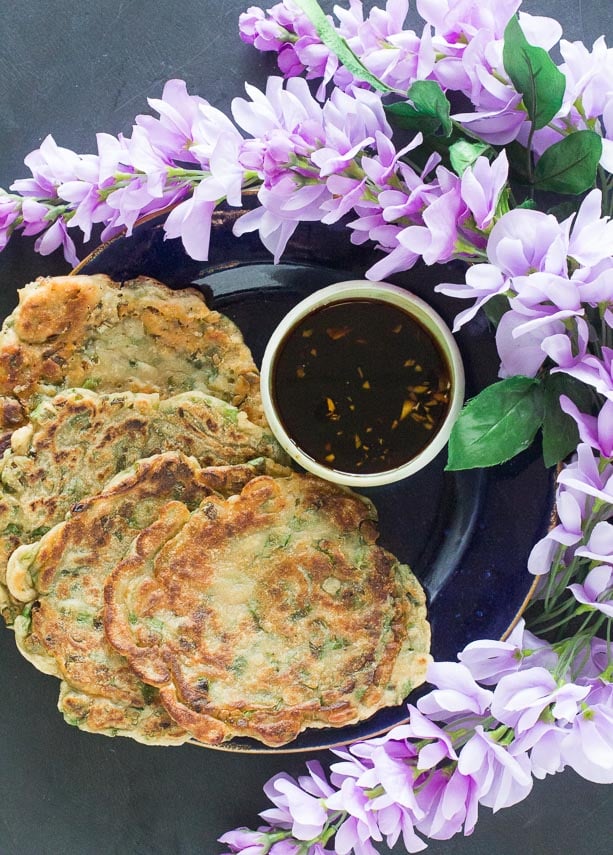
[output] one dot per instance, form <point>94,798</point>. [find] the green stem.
<point>551,579</point>
<point>568,605</point>
<point>529,160</point>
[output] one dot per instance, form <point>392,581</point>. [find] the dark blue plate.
<point>467,535</point>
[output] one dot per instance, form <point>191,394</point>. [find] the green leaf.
<point>497,424</point>
<point>569,166</point>
<point>463,154</point>
<point>427,109</point>
<point>564,210</point>
<point>560,432</point>
<point>404,115</point>
<point>429,100</point>
<point>337,44</point>
<point>495,308</point>
<point>520,163</point>
<point>533,74</point>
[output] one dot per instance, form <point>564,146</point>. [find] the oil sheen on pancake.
<point>74,331</point>
<point>268,612</point>
<point>77,441</point>
<point>62,576</point>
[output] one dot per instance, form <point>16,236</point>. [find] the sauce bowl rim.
<point>412,305</point>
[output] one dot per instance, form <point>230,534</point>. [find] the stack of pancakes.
<point>158,555</point>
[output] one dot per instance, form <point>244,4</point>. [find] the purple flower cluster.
<point>305,155</point>
<point>308,161</point>
<point>554,275</point>
<point>460,47</point>
<point>463,746</point>
<point>187,157</point>
<point>321,163</point>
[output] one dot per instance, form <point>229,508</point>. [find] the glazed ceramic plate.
<point>466,535</point>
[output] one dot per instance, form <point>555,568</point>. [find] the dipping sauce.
<point>361,386</point>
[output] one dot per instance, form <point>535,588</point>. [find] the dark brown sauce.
<point>361,386</point>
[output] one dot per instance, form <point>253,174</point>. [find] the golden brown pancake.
<point>88,331</point>
<point>62,576</point>
<point>268,612</point>
<point>75,442</point>
<point>148,723</point>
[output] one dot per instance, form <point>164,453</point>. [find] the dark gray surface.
<point>71,69</point>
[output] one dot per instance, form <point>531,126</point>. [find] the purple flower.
<point>173,134</point>
<point>317,59</point>
<point>434,744</point>
<point>54,237</point>
<point>248,23</point>
<point>245,842</point>
<point>453,20</point>
<point>402,57</point>
<point>34,215</point>
<point>600,544</point>
<point>497,126</point>
<point>388,764</point>
<point>191,221</point>
<point>456,692</point>
<point>573,506</point>
<point>393,821</point>
<point>587,76</point>
<point>523,352</point>
<point>297,145</point>
<point>539,313</point>
<point>285,847</point>
<point>295,808</point>
<point>543,741</point>
<point>87,206</point>
<point>282,209</point>
<point>588,747</point>
<point>520,699</point>
<point>10,209</point>
<point>134,200</point>
<point>435,241</point>
<point>255,29</point>
<point>315,782</point>
<point>597,590</point>
<point>449,804</point>
<point>595,372</point>
<point>481,186</point>
<point>360,828</point>
<point>483,281</point>
<point>543,298</point>
<point>596,431</point>
<point>597,667</point>
<point>591,238</point>
<point>50,165</point>
<point>291,110</point>
<point>525,241</point>
<point>502,779</point>
<point>568,352</point>
<point>585,476</point>
<point>488,660</point>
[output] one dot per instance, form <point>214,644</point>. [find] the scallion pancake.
<point>268,612</point>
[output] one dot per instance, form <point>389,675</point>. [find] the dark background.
<point>71,69</point>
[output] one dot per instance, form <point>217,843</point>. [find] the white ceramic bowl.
<point>412,305</point>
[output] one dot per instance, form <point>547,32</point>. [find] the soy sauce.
<point>361,386</point>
